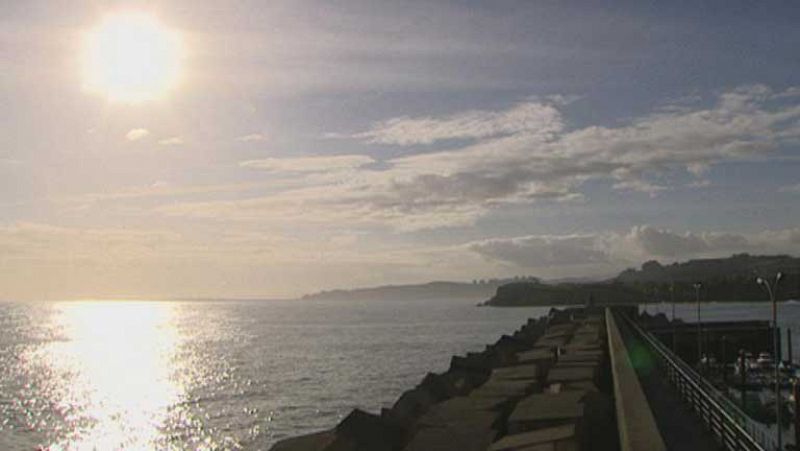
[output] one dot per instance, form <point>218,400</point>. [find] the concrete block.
<point>571,373</point>
<point>364,431</point>
<point>528,372</point>
<point>561,437</point>
<point>545,409</point>
<point>317,441</point>
<point>473,433</point>
<point>409,406</point>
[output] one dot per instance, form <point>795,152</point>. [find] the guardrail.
<point>732,427</point>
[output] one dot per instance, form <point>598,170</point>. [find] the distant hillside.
<point>535,293</point>
<point>737,266</point>
<point>476,291</point>
<point>722,279</point>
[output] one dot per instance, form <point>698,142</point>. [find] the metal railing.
<point>731,426</point>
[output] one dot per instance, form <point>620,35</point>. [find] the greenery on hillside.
<point>721,279</point>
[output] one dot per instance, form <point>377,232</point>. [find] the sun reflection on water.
<point>117,359</point>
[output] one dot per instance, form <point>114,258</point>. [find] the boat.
<point>764,360</point>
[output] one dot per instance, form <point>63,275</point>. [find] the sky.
<point>313,145</point>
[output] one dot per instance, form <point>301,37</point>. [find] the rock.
<point>504,388</point>
<point>569,372</point>
<point>408,407</point>
<point>312,442</point>
<point>529,372</point>
<point>362,431</point>
<point>473,432</point>
<point>437,386</point>
<point>546,409</point>
<point>560,437</point>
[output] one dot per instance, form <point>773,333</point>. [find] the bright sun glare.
<point>131,57</point>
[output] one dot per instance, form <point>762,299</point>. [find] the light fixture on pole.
<point>697,287</point>
<point>672,322</point>
<point>771,289</point>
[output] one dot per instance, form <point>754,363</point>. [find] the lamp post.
<point>655,299</point>
<point>771,289</point>
<point>697,287</point>
<point>672,300</point>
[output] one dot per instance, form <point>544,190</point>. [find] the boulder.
<point>408,407</point>
<point>317,441</point>
<point>362,431</point>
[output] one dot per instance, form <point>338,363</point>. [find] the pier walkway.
<point>679,426</point>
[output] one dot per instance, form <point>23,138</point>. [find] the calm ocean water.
<point>229,375</point>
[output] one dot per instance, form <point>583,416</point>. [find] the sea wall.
<point>546,383</point>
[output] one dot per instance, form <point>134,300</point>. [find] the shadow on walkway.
<point>680,427</point>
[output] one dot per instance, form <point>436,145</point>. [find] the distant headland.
<point>477,290</point>
<point>722,279</point>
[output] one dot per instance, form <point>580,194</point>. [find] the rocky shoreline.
<point>546,384</point>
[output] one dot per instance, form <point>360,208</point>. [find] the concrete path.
<point>681,428</point>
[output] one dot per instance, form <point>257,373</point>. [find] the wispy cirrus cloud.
<point>528,118</point>
<point>174,141</point>
<point>160,189</point>
<point>252,137</point>
<point>518,156</point>
<point>309,164</point>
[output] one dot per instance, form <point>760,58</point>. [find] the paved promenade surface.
<point>681,428</point>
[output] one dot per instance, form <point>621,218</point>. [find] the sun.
<point>131,57</point>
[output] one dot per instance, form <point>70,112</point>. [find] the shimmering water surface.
<point>228,375</point>
<point>217,375</point>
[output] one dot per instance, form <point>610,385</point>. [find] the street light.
<point>771,289</point>
<point>655,299</point>
<point>672,299</point>
<point>697,287</point>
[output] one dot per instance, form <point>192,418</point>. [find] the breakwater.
<point>547,384</point>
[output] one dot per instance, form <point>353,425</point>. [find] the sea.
<point>218,375</point>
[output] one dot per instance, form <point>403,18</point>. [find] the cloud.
<point>534,251</point>
<point>666,243</point>
<point>253,137</point>
<point>77,262</point>
<point>698,169</point>
<point>157,189</point>
<point>619,249</point>
<point>790,189</point>
<point>54,243</point>
<point>639,185</point>
<point>174,141</point>
<point>309,164</point>
<point>529,118</point>
<point>10,161</point>
<point>702,183</point>
<point>520,155</point>
<point>137,134</point>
